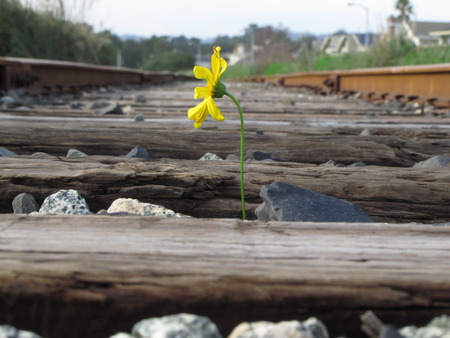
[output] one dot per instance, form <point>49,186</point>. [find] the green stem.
<point>241,157</point>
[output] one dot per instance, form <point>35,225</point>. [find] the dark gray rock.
<point>254,155</point>
<point>139,98</point>
<point>388,331</point>
<point>104,107</point>
<point>76,105</point>
<point>357,164</point>
<point>436,162</point>
<point>74,153</point>
<point>65,202</point>
<point>286,202</point>
<point>7,331</point>
<point>24,204</point>
<point>139,118</point>
<point>180,326</point>
<point>138,152</point>
<point>7,101</point>
<point>5,152</point>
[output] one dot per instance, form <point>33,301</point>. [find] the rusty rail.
<point>38,75</point>
<point>413,83</point>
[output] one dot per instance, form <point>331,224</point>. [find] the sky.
<point>207,19</point>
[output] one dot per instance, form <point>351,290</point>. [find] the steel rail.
<point>37,75</point>
<point>424,83</point>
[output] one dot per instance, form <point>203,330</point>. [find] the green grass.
<point>394,52</point>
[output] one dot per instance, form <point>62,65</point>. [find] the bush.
<point>171,61</point>
<point>45,35</point>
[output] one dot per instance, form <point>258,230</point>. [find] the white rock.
<point>439,327</point>
<point>7,331</point>
<point>210,157</point>
<point>133,206</point>
<point>366,132</point>
<point>65,202</point>
<point>122,335</point>
<point>311,328</point>
<point>181,326</point>
<point>75,153</point>
<point>435,162</point>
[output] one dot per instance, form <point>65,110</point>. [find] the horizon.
<point>323,17</point>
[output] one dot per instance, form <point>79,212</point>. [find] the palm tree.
<point>405,8</point>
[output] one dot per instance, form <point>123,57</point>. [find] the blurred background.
<point>270,37</point>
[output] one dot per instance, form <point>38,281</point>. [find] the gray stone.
<point>139,98</point>
<point>388,331</point>
<point>254,155</point>
<point>436,162</point>
<point>40,154</point>
<point>210,157</point>
<point>357,164</point>
<point>74,153</point>
<point>330,163</point>
<point>428,108</point>
<point>127,206</point>
<point>76,105</point>
<point>23,108</point>
<point>24,204</point>
<point>104,107</point>
<point>138,152</point>
<point>439,327</point>
<point>180,326</point>
<point>366,132</point>
<point>139,118</point>
<point>5,152</point>
<point>286,202</point>
<point>65,202</point>
<point>7,101</point>
<point>7,331</point>
<point>311,328</point>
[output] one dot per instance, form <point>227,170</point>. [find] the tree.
<point>405,9</point>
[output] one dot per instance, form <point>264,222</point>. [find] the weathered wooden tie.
<point>211,188</point>
<point>117,138</point>
<point>92,276</point>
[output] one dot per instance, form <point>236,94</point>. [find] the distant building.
<point>421,33</point>
<point>346,43</point>
<point>241,54</point>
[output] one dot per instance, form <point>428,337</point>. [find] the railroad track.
<point>45,76</point>
<point>97,275</point>
<point>426,84</point>
<point>422,84</point>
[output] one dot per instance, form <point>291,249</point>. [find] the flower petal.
<point>200,92</point>
<point>213,109</point>
<point>203,73</point>
<point>215,63</point>
<point>198,113</point>
<point>223,66</point>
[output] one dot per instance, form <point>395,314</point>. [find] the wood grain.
<point>211,188</point>
<point>113,270</point>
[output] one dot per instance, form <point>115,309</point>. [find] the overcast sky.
<point>208,19</point>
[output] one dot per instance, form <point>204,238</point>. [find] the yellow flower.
<point>214,89</point>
